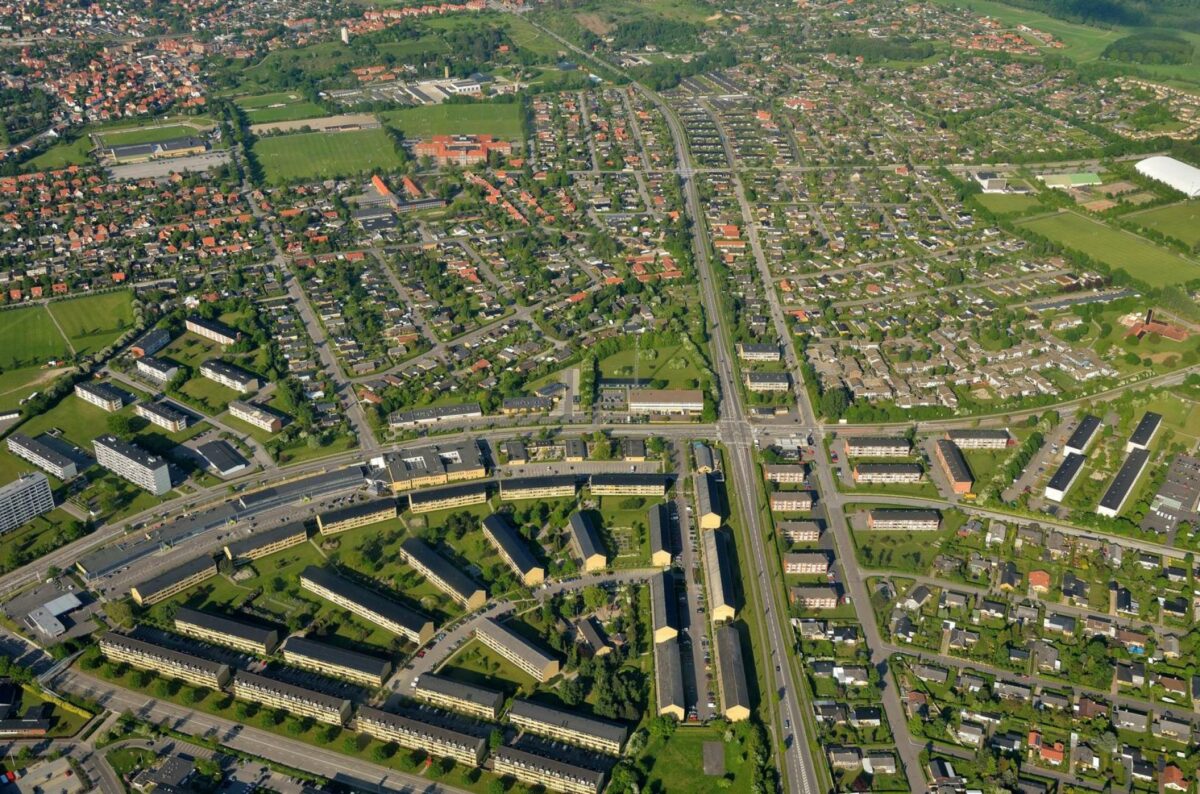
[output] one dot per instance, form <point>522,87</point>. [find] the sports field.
<point>1181,221</point>
<point>1135,255</point>
<point>1008,203</point>
<point>502,120</point>
<point>28,338</point>
<point>319,155</point>
<point>93,323</point>
<point>146,134</point>
<point>280,106</point>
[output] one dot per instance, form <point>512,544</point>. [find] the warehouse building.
<point>718,576</point>
<point>878,447</point>
<point>1144,433</point>
<point>267,542</point>
<point>888,473</point>
<point>443,574</point>
<point>338,662</point>
<point>954,466</point>
<point>658,519</point>
<point>41,454</point>
<point>629,484</point>
<point>980,438</point>
<point>357,514</point>
<point>663,607</point>
<point>291,698</point>
<point>164,661</point>
<point>499,531</point>
<point>221,630</point>
<point>567,726</point>
<point>475,701</point>
<point>424,467</point>
<point>1064,477</point>
<point>731,675</point>
<point>24,499</point>
<point>1176,174</point>
<point>518,650</point>
<point>791,501</point>
<point>1084,435</point>
<point>900,519</point>
<point>587,543</point>
<point>668,680</point>
<point>133,463</point>
<point>163,415</point>
<point>708,502</point>
<point>549,487</point>
<point>1122,484</point>
<point>549,773</point>
<point>412,733</point>
<point>448,497</point>
<point>368,605</point>
<point>175,581</point>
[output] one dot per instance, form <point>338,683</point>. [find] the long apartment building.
<point>338,662</point>
<point>567,726</point>
<point>230,376</point>
<point>419,417</point>
<point>557,486</point>
<point>163,415</point>
<point>443,574</point>
<point>425,467</point>
<point>267,542</point>
<point>1083,436</point>
<point>668,680</point>
<point>255,415</point>
<point>900,519</point>
<point>954,466</point>
<point>549,773</point>
<point>102,395</point>
<point>1064,477</point>
<point>791,501</point>
<point>658,520</point>
<point>42,455</point>
<point>24,499</point>
<point>528,657</point>
<point>731,675</point>
<point>164,661</point>
<point>767,381</point>
<point>1122,483</point>
<point>718,576</point>
<point>175,581</point>
<point>417,734</point>
<point>815,597</point>
<point>157,370</point>
<point>499,531</point>
<point>587,543</point>
<point>132,463</point>
<point>629,484</point>
<point>293,699</point>
<point>980,438</point>
<point>888,473</point>
<point>448,497</point>
<point>786,473</point>
<point>469,699</point>
<point>368,605</point>
<point>357,514</point>
<point>807,563</point>
<point>800,531</point>
<point>878,447</point>
<point>708,501</point>
<point>221,630</point>
<point>212,330</point>
<point>663,607</point>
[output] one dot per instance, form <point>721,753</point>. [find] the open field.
<point>680,757</point>
<point>1008,203</point>
<point>671,364</point>
<point>28,338</point>
<point>94,322</point>
<point>61,155</point>
<point>1181,221</point>
<point>1135,255</point>
<point>280,106</point>
<point>318,155</point>
<point>501,120</point>
<point>146,134</point>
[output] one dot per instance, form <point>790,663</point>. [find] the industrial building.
<point>164,661</point>
<point>1176,174</point>
<point>368,605</point>
<point>518,650</point>
<point>475,701</point>
<point>587,543</point>
<point>337,662</point>
<point>175,581</point>
<point>221,630</point>
<point>354,515</point>
<point>291,698</point>
<point>511,547</point>
<point>443,574</point>
<point>567,726</point>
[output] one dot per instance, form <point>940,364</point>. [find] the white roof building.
<point>1174,173</point>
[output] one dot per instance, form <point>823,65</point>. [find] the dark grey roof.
<point>264,538</point>
<point>367,599</point>
<point>225,625</point>
<point>290,690</point>
<point>357,510</point>
<point>526,483</point>
<point>478,695</point>
<point>170,578</point>
<point>430,495</point>
<point>311,487</point>
<point>668,674</point>
<point>878,441</point>
<point>1126,476</point>
<point>40,449</point>
<point>1067,471</point>
<point>214,326</point>
<point>1145,428</point>
<point>223,457</point>
<point>332,654</point>
<point>662,601</point>
<point>600,729</point>
<point>1088,426</point>
<point>732,668</point>
<point>448,572</point>
<point>555,767</point>
<point>707,500</point>
<point>411,723</point>
<point>960,471</point>
<point>507,538</point>
<point>129,451</point>
<point>168,654</point>
<point>659,521</point>
<point>584,533</point>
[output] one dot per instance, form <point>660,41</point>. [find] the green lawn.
<point>61,155</point>
<point>94,322</point>
<point>476,664</point>
<point>1118,249</point>
<point>286,158</point>
<point>209,394</point>
<point>670,364</point>
<point>502,120</point>
<point>680,758</point>
<point>280,106</point>
<point>128,759</point>
<point>28,338</point>
<point>1181,221</point>
<point>17,384</point>
<point>1008,203</point>
<point>146,134</point>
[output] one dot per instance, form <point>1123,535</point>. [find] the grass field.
<point>61,155</point>
<point>321,156</point>
<point>146,134</point>
<point>279,106</point>
<point>671,364</point>
<point>28,338</point>
<point>502,120</point>
<point>1008,203</point>
<point>1181,221</point>
<point>681,757</point>
<point>1135,255</point>
<point>93,323</point>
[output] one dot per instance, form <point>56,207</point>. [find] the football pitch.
<point>320,155</point>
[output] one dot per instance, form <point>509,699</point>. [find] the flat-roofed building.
<point>163,415</point>
<point>164,661</point>
<point>954,466</point>
<point>255,415</point>
<point>357,514</point>
<point>175,581</point>
<point>100,394</point>
<point>668,680</point>
<point>1122,484</point>
<point>24,499</point>
<point>158,370</point>
<point>133,463</point>
<point>443,574</point>
<point>38,452</point>
<point>807,562</point>
<point>448,497</point>
<point>293,699</point>
<point>888,473</point>
<point>708,502</point>
<point>475,701</point>
<point>800,531</point>
<point>718,576</point>
<point>658,519</point>
<point>767,381</point>
<point>548,773</point>
<point>511,547</point>
<point>791,501</point>
<point>230,376</point>
<point>757,352</point>
<point>790,473</point>
<point>814,597</point>
<point>338,662</point>
<point>556,486</point>
<point>567,726</point>
<point>412,733</point>
<point>878,447</point>
<point>436,465</point>
<point>663,611</point>
<point>222,458</point>
<point>901,519</point>
<point>575,450</point>
<point>525,405</point>
<point>222,630</point>
<point>1084,435</point>
<point>1064,476</point>
<point>266,542</point>
<point>518,650</point>
<point>980,438</point>
<point>422,417</point>
<point>666,402</point>
<point>211,329</point>
<point>731,675</point>
<point>1144,433</point>
<point>368,605</point>
<point>587,543</point>
<point>629,484</point>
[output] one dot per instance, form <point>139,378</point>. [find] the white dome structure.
<point>1181,176</point>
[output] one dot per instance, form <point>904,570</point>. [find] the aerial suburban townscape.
<point>627,396</point>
